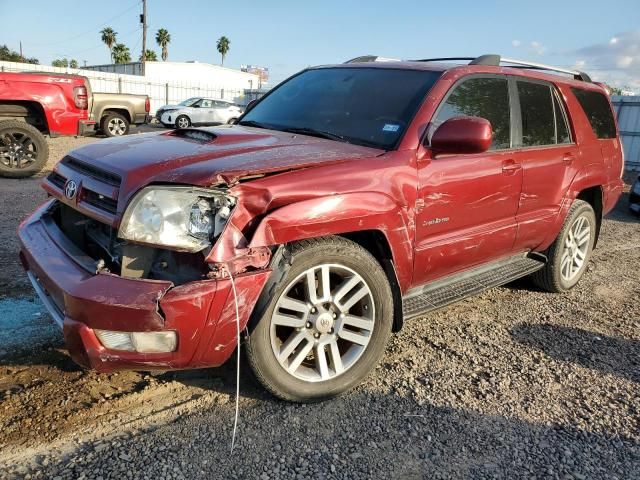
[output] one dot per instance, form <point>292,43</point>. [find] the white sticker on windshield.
<point>390,127</point>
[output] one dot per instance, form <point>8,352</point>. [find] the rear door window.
<point>537,112</point>
<point>598,111</point>
<point>562,126</point>
<point>485,97</point>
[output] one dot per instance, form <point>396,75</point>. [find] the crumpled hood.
<point>225,155</point>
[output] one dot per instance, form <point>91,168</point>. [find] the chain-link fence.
<point>160,93</point>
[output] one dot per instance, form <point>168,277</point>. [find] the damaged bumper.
<point>202,313</point>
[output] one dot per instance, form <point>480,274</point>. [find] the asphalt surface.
<point>514,383</point>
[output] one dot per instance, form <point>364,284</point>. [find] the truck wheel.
<point>114,125</point>
<point>569,254</point>
<point>182,121</point>
<point>327,322</point>
<point>23,149</point>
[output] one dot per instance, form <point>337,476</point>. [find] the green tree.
<point>73,63</point>
<point>613,90</point>
<point>9,55</point>
<point>63,63</point>
<point>223,46</point>
<point>151,56</point>
<point>108,37</point>
<point>163,39</point>
<point>121,53</point>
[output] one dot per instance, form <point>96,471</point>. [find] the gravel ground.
<point>515,383</point>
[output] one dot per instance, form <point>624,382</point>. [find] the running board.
<point>471,282</point>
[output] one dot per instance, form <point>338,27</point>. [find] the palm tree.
<point>121,53</point>
<point>109,39</point>
<point>150,56</point>
<point>223,47</point>
<point>163,39</point>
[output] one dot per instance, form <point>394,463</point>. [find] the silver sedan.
<point>198,111</point>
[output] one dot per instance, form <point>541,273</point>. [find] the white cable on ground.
<point>235,422</point>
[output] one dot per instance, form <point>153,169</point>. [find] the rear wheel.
<point>23,149</point>
<point>114,125</point>
<point>183,121</point>
<point>326,325</point>
<point>569,254</point>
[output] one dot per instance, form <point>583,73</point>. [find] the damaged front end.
<point>125,303</point>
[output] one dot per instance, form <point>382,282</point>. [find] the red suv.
<point>349,198</point>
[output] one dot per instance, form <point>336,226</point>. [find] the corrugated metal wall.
<point>628,112</point>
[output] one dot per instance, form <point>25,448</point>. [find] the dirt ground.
<point>512,383</point>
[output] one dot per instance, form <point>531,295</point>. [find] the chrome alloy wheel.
<point>117,127</point>
<point>183,122</point>
<point>576,247</point>
<point>322,322</point>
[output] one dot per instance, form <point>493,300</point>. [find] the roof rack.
<point>371,58</point>
<point>495,61</point>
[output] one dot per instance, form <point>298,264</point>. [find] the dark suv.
<point>348,199</point>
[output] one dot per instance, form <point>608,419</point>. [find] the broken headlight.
<point>181,218</point>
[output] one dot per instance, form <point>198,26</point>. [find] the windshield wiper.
<point>252,123</point>
<point>315,133</point>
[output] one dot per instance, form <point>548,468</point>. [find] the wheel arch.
<point>376,243</point>
<point>116,109</point>
<point>594,197</point>
<point>31,111</point>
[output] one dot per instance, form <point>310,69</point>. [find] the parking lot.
<point>515,383</point>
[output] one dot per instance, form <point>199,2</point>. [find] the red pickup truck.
<point>348,199</point>
<point>33,105</point>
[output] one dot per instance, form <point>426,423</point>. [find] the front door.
<point>467,204</point>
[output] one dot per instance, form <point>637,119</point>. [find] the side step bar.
<point>471,282</point>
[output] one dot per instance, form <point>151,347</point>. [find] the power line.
<point>89,31</point>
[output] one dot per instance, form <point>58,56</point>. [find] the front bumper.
<point>169,118</point>
<point>202,312</point>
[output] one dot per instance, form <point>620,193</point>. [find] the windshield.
<point>365,106</point>
<point>189,101</point>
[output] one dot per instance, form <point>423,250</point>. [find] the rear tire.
<point>327,322</point>
<point>114,125</point>
<point>23,149</point>
<point>570,253</point>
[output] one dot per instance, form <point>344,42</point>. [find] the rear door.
<point>548,154</point>
<point>467,203</point>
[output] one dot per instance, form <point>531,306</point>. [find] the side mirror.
<point>196,106</point>
<point>460,135</point>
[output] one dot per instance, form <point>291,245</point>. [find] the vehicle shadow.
<point>612,355</point>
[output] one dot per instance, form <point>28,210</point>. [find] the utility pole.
<point>21,49</point>
<point>143,20</point>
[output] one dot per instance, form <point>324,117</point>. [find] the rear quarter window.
<point>598,111</point>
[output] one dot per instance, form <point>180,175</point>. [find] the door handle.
<point>568,157</point>
<point>509,167</point>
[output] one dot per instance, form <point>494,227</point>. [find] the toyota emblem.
<point>70,189</point>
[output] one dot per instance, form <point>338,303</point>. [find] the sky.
<point>601,38</point>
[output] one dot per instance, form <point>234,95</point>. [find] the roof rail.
<point>371,58</point>
<point>495,61</point>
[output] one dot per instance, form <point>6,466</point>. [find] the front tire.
<point>23,149</point>
<point>182,121</point>
<point>327,322</point>
<point>114,125</point>
<point>569,254</point>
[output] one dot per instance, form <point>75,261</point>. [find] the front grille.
<point>57,179</point>
<point>91,171</point>
<point>100,201</point>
